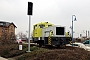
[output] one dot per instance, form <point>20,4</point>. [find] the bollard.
<point>20,47</point>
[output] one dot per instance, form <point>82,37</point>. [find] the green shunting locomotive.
<point>45,33</point>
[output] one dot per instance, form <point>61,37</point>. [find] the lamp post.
<point>73,27</point>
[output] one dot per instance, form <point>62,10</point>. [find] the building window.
<point>1,23</point>
<point>11,28</point>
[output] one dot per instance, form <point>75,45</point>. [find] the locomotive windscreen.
<point>59,30</point>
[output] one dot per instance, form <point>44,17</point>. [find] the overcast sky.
<point>58,12</point>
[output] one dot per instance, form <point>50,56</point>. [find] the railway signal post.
<point>30,6</point>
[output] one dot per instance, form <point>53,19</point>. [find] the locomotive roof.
<point>43,23</point>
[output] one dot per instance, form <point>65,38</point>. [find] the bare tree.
<point>4,38</point>
<point>21,35</point>
<point>7,38</point>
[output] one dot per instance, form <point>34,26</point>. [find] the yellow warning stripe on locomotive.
<point>49,40</point>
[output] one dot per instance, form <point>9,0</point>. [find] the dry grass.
<point>70,53</point>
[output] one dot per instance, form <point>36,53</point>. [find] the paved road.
<point>1,58</point>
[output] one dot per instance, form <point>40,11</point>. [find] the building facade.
<point>7,30</point>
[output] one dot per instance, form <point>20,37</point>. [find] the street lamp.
<point>72,26</point>
<point>71,29</point>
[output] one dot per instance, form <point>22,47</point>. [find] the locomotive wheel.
<point>41,43</point>
<point>58,46</point>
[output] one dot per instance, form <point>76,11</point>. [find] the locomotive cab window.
<point>59,30</point>
<point>42,26</point>
<point>35,26</point>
